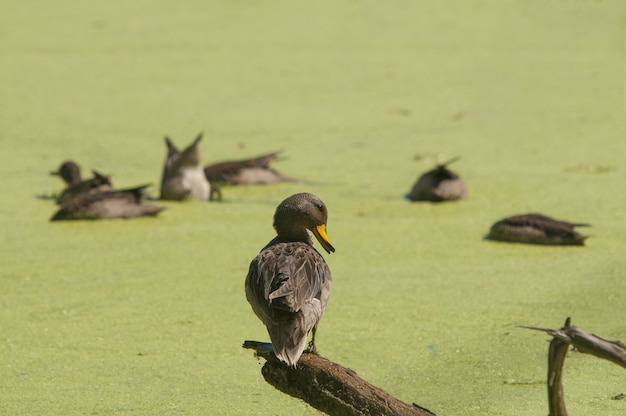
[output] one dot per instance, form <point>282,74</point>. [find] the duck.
<point>70,173</point>
<point>288,282</point>
<point>183,175</point>
<point>122,203</point>
<point>439,184</point>
<point>537,229</point>
<point>253,171</point>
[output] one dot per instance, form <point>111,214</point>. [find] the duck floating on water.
<point>439,184</point>
<point>70,173</point>
<point>288,283</point>
<point>253,171</point>
<point>183,175</point>
<point>536,229</point>
<point>123,203</point>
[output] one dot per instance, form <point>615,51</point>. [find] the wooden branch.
<point>556,358</point>
<point>614,351</point>
<point>332,388</point>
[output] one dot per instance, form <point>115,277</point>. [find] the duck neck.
<point>292,234</point>
<point>282,239</point>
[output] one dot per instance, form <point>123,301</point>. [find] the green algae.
<point>147,316</point>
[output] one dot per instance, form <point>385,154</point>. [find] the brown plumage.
<point>123,203</point>
<point>253,171</point>
<point>183,176</point>
<point>536,229</point>
<point>288,283</point>
<point>439,184</point>
<point>70,173</point>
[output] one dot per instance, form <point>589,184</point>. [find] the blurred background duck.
<point>254,171</point>
<point>439,184</point>
<point>122,203</point>
<point>536,229</point>
<point>70,173</point>
<point>288,282</point>
<point>183,175</point>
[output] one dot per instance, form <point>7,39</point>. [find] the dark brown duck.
<point>439,184</point>
<point>123,203</point>
<point>288,283</point>
<point>70,173</point>
<point>254,171</point>
<point>536,229</point>
<point>183,175</point>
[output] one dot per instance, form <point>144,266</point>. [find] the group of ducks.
<point>184,177</point>
<point>442,184</point>
<point>288,283</point>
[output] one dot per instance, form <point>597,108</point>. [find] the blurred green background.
<point>148,316</point>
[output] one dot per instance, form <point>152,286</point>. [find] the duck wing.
<point>285,277</point>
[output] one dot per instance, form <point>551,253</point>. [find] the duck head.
<point>69,171</point>
<point>299,213</point>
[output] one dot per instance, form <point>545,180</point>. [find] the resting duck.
<point>123,203</point>
<point>253,171</point>
<point>183,176</point>
<point>288,283</point>
<point>536,229</point>
<point>439,184</point>
<point>70,173</point>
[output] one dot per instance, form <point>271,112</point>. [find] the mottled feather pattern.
<point>290,276</point>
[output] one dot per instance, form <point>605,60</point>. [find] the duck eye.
<point>320,207</point>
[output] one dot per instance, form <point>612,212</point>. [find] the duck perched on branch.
<point>288,283</point>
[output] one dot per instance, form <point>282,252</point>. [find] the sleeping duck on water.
<point>96,199</point>
<point>536,229</point>
<point>439,184</point>
<point>122,203</point>
<point>253,171</point>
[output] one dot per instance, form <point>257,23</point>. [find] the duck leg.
<point>312,349</point>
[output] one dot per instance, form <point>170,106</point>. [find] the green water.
<point>147,316</point>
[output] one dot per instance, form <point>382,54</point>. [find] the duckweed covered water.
<point>147,316</point>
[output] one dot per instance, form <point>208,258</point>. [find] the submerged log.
<point>332,388</point>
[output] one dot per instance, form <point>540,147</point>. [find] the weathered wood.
<point>332,388</point>
<point>556,358</point>
<point>614,351</point>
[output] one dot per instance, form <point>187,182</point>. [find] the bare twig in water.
<point>614,351</point>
